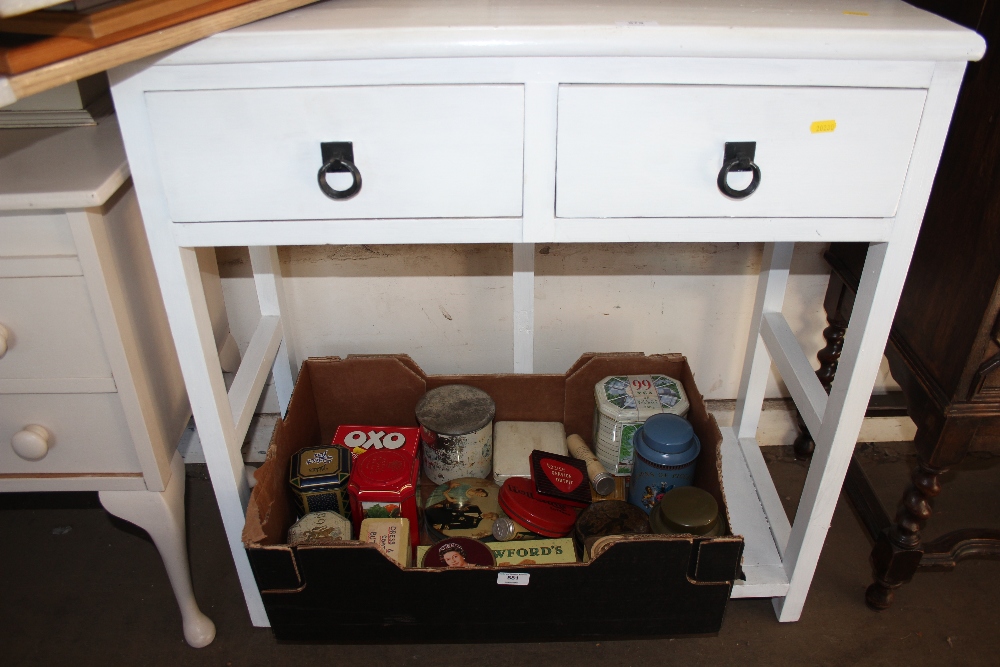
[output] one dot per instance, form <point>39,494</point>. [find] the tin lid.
<point>666,440</point>
<point>633,398</point>
<point>315,468</point>
<point>455,409</point>
<point>610,517</point>
<point>459,552</point>
<point>384,470</point>
<point>464,507</point>
<point>545,516</point>
<point>685,509</point>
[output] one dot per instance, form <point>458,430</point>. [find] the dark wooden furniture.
<point>944,348</point>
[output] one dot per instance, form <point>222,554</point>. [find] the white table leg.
<point>161,514</point>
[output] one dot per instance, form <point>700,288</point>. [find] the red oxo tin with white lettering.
<point>537,513</point>
<point>383,485</point>
<point>361,439</point>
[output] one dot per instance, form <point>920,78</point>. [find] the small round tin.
<point>506,529</point>
<point>609,517</point>
<point>464,507</point>
<point>456,429</point>
<point>622,404</point>
<point>545,516</point>
<point>459,552</point>
<point>666,451</point>
<point>688,510</point>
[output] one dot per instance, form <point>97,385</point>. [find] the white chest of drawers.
<point>555,121</point>
<point>91,396</point>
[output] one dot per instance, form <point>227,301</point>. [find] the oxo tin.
<point>383,486</point>
<point>666,451</point>
<point>456,429</point>
<point>318,477</point>
<point>361,439</point>
<point>622,404</point>
<point>546,516</point>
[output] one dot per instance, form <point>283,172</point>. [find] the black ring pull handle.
<point>739,157</point>
<point>338,157</point>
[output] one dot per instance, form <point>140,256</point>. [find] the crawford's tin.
<point>456,429</point>
<point>610,517</point>
<point>534,552</point>
<point>317,528</point>
<point>688,510</point>
<point>513,443</point>
<point>666,451</point>
<point>623,403</point>
<point>318,477</point>
<point>464,507</point>
<point>383,485</point>
<point>361,439</point>
<point>391,536</point>
<point>544,516</point>
<point>458,552</point>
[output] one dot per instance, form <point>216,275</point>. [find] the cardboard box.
<point>352,593</point>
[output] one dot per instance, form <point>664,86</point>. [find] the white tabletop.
<point>863,29</point>
<point>62,168</point>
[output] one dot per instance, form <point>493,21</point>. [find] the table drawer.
<point>88,434</point>
<point>422,151</point>
<point>657,151</point>
<point>52,330</point>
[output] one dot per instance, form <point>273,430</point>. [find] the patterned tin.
<point>456,430</point>
<point>319,528</point>
<point>464,507</point>
<point>534,552</point>
<point>666,452</point>
<point>361,439</point>
<point>390,536</point>
<point>318,477</point>
<point>383,485</point>
<point>622,404</point>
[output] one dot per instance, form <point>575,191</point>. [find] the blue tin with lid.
<point>666,451</point>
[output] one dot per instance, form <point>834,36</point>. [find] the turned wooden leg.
<point>162,516</point>
<point>829,358</point>
<point>898,549</point>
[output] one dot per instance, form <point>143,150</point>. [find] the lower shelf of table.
<point>765,574</point>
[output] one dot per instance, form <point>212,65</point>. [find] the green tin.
<point>318,478</point>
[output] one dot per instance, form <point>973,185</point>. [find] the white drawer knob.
<point>32,443</point>
<point>4,335</point>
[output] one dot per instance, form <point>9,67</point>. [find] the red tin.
<point>383,485</point>
<point>545,516</point>
<point>459,552</point>
<point>363,439</point>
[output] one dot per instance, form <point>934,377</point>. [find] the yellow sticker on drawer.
<point>823,126</point>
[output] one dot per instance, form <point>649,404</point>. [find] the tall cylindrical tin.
<point>456,432</point>
<point>666,451</point>
<point>622,404</point>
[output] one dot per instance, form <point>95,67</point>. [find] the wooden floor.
<point>78,587</point>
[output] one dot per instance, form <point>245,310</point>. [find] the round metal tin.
<point>666,453</point>
<point>383,470</point>
<point>609,517</point>
<point>459,552</point>
<point>545,516</point>
<point>464,507</point>
<point>456,432</point>
<point>687,510</point>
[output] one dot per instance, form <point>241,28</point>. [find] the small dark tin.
<point>318,477</point>
<point>459,552</point>
<point>609,517</point>
<point>561,477</point>
<point>688,510</point>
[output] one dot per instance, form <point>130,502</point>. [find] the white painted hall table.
<point>548,121</point>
